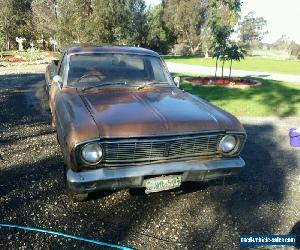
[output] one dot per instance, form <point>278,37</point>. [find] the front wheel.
<point>76,197</point>
<point>136,192</point>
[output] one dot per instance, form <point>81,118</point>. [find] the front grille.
<point>149,150</point>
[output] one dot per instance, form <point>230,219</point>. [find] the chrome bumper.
<point>133,176</point>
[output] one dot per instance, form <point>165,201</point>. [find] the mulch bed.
<point>233,82</point>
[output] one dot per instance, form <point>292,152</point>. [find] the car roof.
<point>110,49</point>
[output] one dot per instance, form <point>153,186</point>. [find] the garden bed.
<point>234,82</point>
<point>38,56</point>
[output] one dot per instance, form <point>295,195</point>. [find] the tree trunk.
<point>216,68</point>
<point>230,69</point>
<point>206,53</point>
<point>6,33</point>
<point>54,44</point>
<point>1,54</point>
<point>195,49</point>
<point>7,41</point>
<point>190,43</point>
<point>223,70</point>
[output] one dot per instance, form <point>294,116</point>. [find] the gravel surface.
<point>263,199</point>
<point>22,68</point>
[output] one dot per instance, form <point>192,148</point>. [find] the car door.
<point>56,87</point>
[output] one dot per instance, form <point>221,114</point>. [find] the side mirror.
<point>58,80</point>
<point>177,81</point>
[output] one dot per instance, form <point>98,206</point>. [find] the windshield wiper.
<point>122,83</point>
<point>150,83</point>
<point>104,84</point>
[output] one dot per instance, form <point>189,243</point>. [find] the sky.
<point>283,17</point>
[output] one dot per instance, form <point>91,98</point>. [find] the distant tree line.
<point>284,44</point>
<point>180,26</point>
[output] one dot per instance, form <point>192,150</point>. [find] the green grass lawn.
<point>272,98</point>
<point>250,63</point>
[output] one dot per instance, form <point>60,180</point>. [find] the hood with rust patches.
<point>129,112</point>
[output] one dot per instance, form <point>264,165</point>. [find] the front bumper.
<point>133,176</point>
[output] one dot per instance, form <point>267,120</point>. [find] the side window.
<point>62,67</point>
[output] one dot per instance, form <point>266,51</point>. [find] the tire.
<point>76,197</point>
<point>189,187</point>
<point>137,192</point>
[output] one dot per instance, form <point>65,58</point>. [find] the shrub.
<point>295,50</point>
<point>16,59</point>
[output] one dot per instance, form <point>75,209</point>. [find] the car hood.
<point>129,112</point>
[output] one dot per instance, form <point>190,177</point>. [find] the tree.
<point>229,53</point>
<point>23,26</point>
<point>217,53</point>
<point>283,43</point>
<point>252,30</point>
<point>74,22</point>
<point>2,40</point>
<point>137,27</point>
<point>158,36</point>
<point>234,52</point>
<point>222,15</point>
<point>102,22</point>
<point>44,17</point>
<point>7,21</point>
<point>15,20</point>
<point>207,41</point>
<point>2,43</point>
<point>223,56</point>
<point>295,50</point>
<point>185,18</point>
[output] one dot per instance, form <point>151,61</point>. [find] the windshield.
<point>88,70</point>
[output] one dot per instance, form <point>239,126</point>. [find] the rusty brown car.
<point>123,122</point>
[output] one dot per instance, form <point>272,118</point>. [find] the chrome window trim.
<point>117,52</point>
<point>171,82</point>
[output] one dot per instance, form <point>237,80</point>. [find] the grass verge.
<point>272,98</point>
<point>250,63</point>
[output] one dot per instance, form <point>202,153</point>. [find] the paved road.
<point>264,198</point>
<point>201,70</point>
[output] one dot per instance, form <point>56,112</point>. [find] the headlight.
<point>91,153</point>
<point>228,144</point>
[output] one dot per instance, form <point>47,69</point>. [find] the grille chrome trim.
<point>118,152</point>
<point>138,158</point>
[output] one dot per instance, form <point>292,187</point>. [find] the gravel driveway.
<point>264,198</point>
